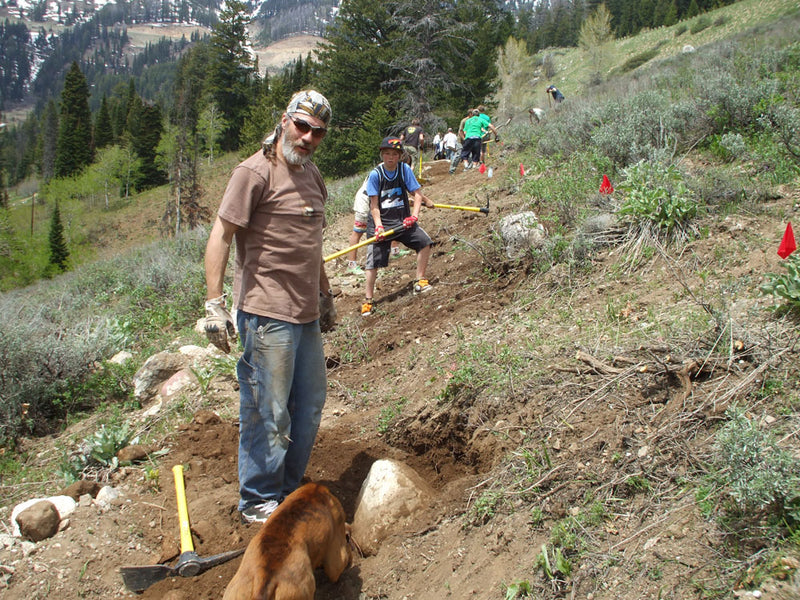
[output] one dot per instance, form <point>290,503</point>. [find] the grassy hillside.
<point>765,24</point>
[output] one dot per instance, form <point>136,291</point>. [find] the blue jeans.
<point>282,386</point>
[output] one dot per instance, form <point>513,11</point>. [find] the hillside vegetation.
<point>612,414</point>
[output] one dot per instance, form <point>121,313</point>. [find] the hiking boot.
<point>421,286</point>
<point>354,269</point>
<point>258,513</point>
<point>367,307</point>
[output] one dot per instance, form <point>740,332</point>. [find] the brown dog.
<point>306,531</point>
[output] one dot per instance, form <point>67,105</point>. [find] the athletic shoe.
<point>421,286</point>
<point>398,252</point>
<point>367,307</point>
<point>258,513</point>
<point>353,268</point>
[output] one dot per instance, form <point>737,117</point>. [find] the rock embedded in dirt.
<point>79,488</point>
<point>390,496</point>
<point>133,453</point>
<point>39,521</point>
<point>65,506</point>
<point>107,496</point>
<point>156,370</point>
<point>521,232</point>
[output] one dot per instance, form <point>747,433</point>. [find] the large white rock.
<point>155,371</point>
<point>65,506</point>
<point>390,497</point>
<point>521,232</point>
<point>107,496</point>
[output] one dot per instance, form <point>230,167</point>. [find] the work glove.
<point>219,324</point>
<point>327,312</point>
<point>409,222</point>
<point>379,233</point>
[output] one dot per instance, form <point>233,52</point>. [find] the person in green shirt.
<point>488,129</point>
<point>473,131</point>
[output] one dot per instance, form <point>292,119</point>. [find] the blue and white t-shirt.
<point>392,189</point>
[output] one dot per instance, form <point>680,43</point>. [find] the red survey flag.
<point>606,187</point>
<point>521,170</point>
<point>788,244</point>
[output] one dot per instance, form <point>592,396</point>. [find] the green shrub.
<point>638,60</point>
<point>98,450</point>
<point>53,333</point>
<point>657,195</point>
<point>728,147</point>
<point>786,285</point>
<point>783,121</point>
<point>699,24</point>
<point>643,126</point>
<point>754,472</point>
<point>680,29</point>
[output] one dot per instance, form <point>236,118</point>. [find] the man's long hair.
<point>270,144</point>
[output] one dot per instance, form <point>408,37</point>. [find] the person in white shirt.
<point>450,141</point>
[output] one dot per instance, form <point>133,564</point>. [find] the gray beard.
<point>293,157</point>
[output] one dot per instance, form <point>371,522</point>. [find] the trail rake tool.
<point>138,579</point>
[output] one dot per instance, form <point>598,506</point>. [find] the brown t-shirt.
<point>279,248</point>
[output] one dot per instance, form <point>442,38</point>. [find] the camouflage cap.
<point>311,103</point>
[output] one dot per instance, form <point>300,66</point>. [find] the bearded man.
<point>274,208</point>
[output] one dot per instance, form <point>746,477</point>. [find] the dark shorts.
<point>471,151</point>
<point>378,253</point>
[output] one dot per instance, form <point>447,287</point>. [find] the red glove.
<point>379,233</point>
<point>409,222</point>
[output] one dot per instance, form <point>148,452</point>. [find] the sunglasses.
<point>304,127</point>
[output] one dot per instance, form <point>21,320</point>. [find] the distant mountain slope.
<point>38,40</point>
<point>274,19</point>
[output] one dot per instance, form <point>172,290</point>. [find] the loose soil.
<point>602,416</point>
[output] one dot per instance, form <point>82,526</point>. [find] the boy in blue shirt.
<point>389,186</point>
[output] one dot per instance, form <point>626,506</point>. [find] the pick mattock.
<point>138,579</point>
<point>363,243</point>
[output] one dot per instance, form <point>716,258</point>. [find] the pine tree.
<point>74,146</point>
<point>671,17</point>
<point>231,70</point>
<point>103,131</point>
<point>144,131</point>
<point>49,137</point>
<point>358,42</point>
<point>59,253</point>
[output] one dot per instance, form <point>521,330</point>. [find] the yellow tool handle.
<point>366,242</point>
<point>183,510</point>
<point>472,208</point>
